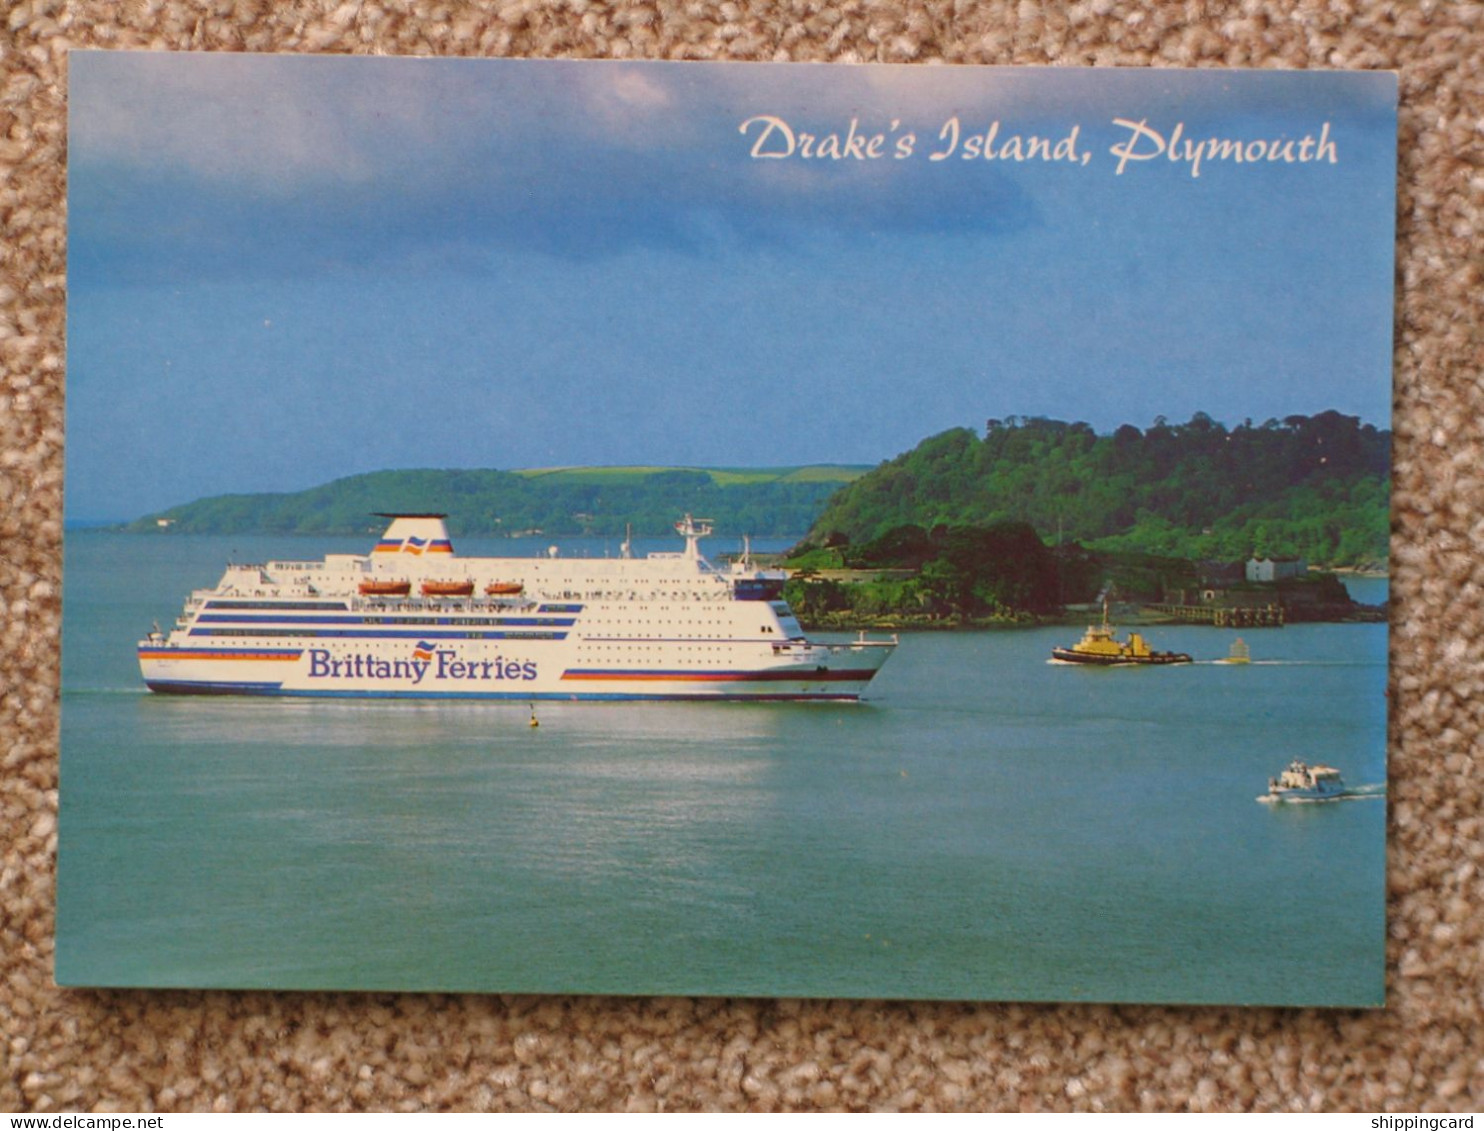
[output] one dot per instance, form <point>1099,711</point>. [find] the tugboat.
<point>1302,782</point>
<point>1100,645</point>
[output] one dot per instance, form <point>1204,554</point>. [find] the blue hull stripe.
<point>388,620</point>
<point>384,634</point>
<point>776,675</point>
<point>274,690</point>
<point>210,687</point>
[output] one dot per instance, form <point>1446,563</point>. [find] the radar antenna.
<point>693,530</point>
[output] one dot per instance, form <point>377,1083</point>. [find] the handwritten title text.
<point>772,138</point>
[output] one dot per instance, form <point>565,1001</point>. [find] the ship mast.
<point>693,530</point>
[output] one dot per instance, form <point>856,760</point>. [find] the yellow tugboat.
<point>1100,645</point>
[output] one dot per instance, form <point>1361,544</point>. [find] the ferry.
<point>412,619</point>
<point>1100,646</point>
<point>1303,782</point>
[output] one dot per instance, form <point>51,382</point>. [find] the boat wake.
<point>1225,663</point>
<point>1357,793</point>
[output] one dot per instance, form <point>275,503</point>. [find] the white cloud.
<point>220,117</point>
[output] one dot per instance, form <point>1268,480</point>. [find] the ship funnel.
<point>415,534</point>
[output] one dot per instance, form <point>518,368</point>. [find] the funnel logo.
<point>414,545</point>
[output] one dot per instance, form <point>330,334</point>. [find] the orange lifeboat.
<point>385,588</point>
<point>504,588</point>
<point>447,588</point>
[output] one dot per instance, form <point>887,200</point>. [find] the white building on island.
<point>1276,569</point>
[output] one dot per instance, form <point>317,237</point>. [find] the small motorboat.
<point>1239,654</point>
<point>1303,782</point>
<point>504,589</point>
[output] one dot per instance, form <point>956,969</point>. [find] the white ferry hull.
<point>414,620</point>
<point>381,670</point>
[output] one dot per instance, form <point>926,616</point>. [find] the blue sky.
<point>288,269</point>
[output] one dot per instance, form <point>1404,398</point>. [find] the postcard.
<point>726,529</point>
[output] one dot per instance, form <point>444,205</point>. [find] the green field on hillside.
<point>779,501</point>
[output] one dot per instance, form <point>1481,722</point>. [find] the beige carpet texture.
<point>77,1050</point>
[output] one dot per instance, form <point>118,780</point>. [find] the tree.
<point>1203,482</point>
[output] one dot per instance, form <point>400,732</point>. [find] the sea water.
<point>988,825</point>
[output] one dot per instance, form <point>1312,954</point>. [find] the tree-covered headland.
<point>1039,513</point>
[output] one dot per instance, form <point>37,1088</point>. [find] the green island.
<point>1030,521</point>
<point>1192,522</point>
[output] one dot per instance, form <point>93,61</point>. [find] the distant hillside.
<point>555,501</point>
<point>1316,487</point>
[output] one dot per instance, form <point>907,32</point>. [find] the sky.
<point>284,270</point>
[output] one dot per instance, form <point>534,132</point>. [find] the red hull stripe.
<point>724,677</point>
<point>245,654</point>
